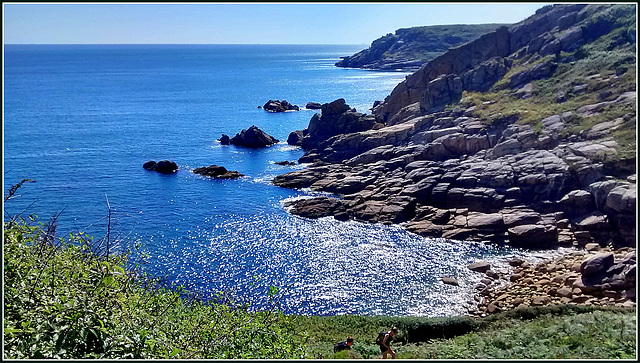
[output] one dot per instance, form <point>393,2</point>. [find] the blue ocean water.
<point>81,120</point>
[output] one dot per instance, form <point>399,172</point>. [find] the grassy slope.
<point>566,332</point>
<point>593,65</point>
<point>427,42</point>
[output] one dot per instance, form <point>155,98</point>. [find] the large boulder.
<point>279,106</point>
<point>162,166</point>
<point>253,137</point>
<point>295,138</point>
<point>597,264</point>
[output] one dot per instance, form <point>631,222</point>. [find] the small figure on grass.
<point>345,345</point>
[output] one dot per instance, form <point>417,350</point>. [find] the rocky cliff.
<point>410,48</point>
<point>524,136</point>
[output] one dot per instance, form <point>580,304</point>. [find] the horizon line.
<point>185,44</point>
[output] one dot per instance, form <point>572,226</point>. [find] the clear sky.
<point>238,23</point>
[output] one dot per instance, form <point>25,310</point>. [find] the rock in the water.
<point>253,137</point>
<point>285,163</point>
<point>279,106</point>
<point>224,140</point>
<point>295,138</point>
<point>217,172</point>
<point>313,105</point>
<point>162,166</point>
<point>150,165</point>
<point>450,281</point>
<point>480,266</point>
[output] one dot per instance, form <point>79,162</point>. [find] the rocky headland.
<point>524,136</point>
<point>410,48</point>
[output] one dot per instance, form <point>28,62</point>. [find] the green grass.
<point>594,65</point>
<point>567,332</point>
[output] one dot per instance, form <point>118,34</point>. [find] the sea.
<point>81,120</point>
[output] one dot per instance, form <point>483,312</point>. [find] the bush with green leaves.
<point>63,300</point>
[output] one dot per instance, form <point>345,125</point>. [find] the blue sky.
<point>238,23</point>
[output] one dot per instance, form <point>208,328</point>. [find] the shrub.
<point>64,301</point>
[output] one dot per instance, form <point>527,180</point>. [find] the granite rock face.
<point>437,167</point>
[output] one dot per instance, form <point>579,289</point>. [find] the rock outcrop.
<point>410,48</point>
<point>480,168</point>
<point>253,137</point>
<point>217,172</point>
<point>336,118</point>
<point>225,139</point>
<point>162,166</point>
<point>295,138</point>
<point>279,106</point>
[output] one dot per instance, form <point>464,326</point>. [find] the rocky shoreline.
<point>443,166</point>
<point>592,277</point>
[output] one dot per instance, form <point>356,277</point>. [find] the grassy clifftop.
<point>409,48</point>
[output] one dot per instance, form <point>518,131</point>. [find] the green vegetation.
<point>62,300</point>
<point>73,299</point>
<point>599,71</point>
<point>559,332</point>
<point>409,48</point>
<point>428,42</point>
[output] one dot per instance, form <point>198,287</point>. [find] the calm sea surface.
<point>81,121</point>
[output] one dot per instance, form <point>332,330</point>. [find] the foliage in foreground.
<point>556,332</point>
<point>62,300</point>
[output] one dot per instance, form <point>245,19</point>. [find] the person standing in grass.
<point>385,343</point>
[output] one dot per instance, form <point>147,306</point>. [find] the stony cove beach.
<point>472,186</point>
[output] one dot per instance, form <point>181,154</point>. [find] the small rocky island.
<point>162,166</point>
<point>217,172</point>
<point>279,106</point>
<point>252,137</point>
